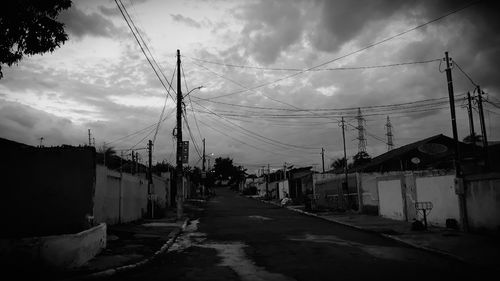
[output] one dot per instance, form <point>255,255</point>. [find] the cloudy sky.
<point>277,76</point>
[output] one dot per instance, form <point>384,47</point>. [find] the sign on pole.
<point>185,152</point>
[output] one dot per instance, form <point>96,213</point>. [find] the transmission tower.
<point>390,144</point>
<point>361,132</point>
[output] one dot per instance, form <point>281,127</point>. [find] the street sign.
<point>185,152</point>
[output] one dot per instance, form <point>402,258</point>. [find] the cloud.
<point>271,27</point>
<point>80,24</point>
<point>185,20</point>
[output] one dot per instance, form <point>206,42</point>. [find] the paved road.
<point>238,238</point>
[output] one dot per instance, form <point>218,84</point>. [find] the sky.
<point>277,77</point>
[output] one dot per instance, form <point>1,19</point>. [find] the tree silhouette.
<point>473,138</point>
<point>338,165</point>
<point>29,27</point>
<point>361,158</point>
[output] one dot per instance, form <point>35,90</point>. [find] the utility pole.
<point>345,185</point>
<point>323,158</point>
<point>483,125</point>
<point>459,184</point>
<point>90,142</point>
<point>120,189</point>
<point>150,178</point>
<point>179,182</point>
<point>471,118</point>
<point>132,167</point>
<point>453,117</point>
<point>204,175</point>
<point>267,181</point>
<point>41,141</point>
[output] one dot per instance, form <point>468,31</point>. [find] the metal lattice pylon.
<point>361,132</point>
<point>390,143</point>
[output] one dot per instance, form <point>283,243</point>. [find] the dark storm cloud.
<point>271,27</point>
<point>26,124</point>
<point>186,20</point>
<point>79,23</point>
<point>342,21</point>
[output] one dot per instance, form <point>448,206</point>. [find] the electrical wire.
<point>319,69</point>
<point>353,52</point>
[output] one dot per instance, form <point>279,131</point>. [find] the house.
<point>395,184</point>
<point>300,183</point>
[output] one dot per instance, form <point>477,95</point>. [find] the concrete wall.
<point>440,190</point>
<point>390,199</point>
<point>283,189</point>
<point>61,252</point>
<point>124,198</point>
<point>368,190</point>
<point>46,191</point>
<point>483,204</point>
<point>327,187</point>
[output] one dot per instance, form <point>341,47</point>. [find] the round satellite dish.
<point>415,160</point>
<point>432,148</point>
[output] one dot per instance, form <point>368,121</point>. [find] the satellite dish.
<point>432,148</point>
<point>415,160</point>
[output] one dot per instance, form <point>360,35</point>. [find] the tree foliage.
<point>29,27</point>
<point>473,139</point>
<point>225,170</point>
<point>361,158</point>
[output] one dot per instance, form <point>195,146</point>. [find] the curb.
<point>392,237</point>
<point>112,271</point>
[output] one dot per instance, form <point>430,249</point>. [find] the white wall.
<point>124,198</point>
<point>440,190</point>
<point>283,188</point>
<point>483,204</point>
<point>390,199</point>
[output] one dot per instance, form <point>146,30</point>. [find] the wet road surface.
<point>237,238</point>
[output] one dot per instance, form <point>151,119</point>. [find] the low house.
<point>300,183</point>
<point>397,184</point>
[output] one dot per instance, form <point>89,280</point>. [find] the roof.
<point>435,151</point>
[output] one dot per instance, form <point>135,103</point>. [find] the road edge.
<point>391,237</point>
<point>112,271</point>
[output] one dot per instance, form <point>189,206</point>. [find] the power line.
<point>464,73</point>
<point>254,133</point>
<point>353,52</point>
<point>191,103</point>
<point>163,110</point>
<point>319,69</point>
<point>123,11</point>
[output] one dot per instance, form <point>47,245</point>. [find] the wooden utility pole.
<point>203,173</point>
<point>90,140</point>
<point>483,125</point>
<point>471,118</point>
<point>346,184</point>
<point>459,183</point>
<point>267,182</point>
<point>323,158</point>
<point>150,178</point>
<point>451,95</point>
<point>179,182</point>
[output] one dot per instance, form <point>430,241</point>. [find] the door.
<point>390,199</point>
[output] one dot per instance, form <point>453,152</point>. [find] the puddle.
<point>159,224</point>
<point>260,218</point>
<point>233,256</point>
<point>383,252</point>
<point>189,238</point>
